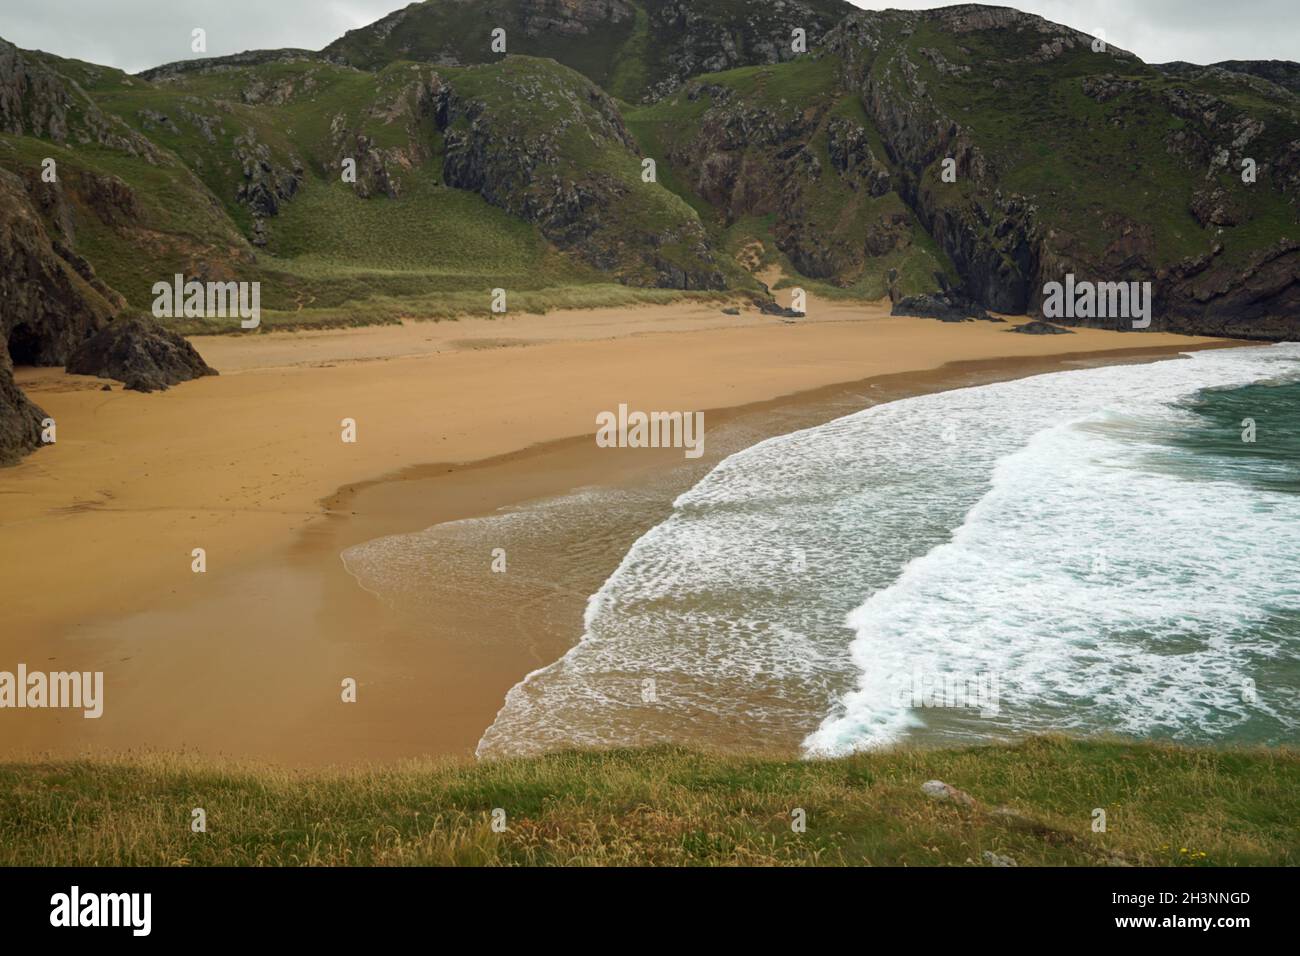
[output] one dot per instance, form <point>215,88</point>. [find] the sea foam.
<point>1042,530</point>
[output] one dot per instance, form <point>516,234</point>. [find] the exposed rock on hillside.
<point>549,146</point>
<point>46,309</point>
<point>20,419</point>
<point>607,40</point>
<point>756,155</point>
<point>139,352</point>
<point>37,101</point>
<point>266,184</point>
<point>692,38</point>
<point>218,64</point>
<point>1006,242</point>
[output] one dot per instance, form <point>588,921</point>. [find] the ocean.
<point>1106,550</point>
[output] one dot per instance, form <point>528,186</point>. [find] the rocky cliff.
<point>46,309</point>
<point>1111,170</point>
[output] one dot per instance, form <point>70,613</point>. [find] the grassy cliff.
<point>1035,804</point>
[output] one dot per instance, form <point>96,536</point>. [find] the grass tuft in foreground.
<point>1035,804</point>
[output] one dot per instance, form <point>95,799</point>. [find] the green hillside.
<point>633,48</point>
<point>476,170</point>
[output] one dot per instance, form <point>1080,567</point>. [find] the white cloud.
<point>1158,31</point>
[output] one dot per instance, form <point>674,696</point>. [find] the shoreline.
<point>251,661</point>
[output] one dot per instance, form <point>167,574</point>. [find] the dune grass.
<point>1165,805</point>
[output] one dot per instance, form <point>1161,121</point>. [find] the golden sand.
<point>97,531</point>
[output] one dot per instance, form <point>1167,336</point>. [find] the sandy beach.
<point>453,420</point>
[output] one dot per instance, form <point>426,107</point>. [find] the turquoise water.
<point>1211,445</point>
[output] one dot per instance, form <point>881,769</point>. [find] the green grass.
<point>369,300</point>
<point>1165,805</point>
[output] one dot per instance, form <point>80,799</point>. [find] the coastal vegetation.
<point>1031,803</point>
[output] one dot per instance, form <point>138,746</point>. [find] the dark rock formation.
<point>20,420</point>
<point>944,306</point>
<point>771,307</point>
<point>46,309</point>
<point>140,353</point>
<point>1038,327</point>
<point>266,184</point>
<point>1006,246</point>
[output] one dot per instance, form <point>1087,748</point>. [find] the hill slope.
<point>635,49</point>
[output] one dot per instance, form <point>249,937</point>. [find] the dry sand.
<point>454,419</point>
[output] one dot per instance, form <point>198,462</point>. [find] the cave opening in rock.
<point>24,345</point>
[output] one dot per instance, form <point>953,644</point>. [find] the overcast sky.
<point>136,34</point>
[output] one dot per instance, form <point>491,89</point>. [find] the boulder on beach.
<point>140,353</point>
<point>944,306</point>
<point>1039,327</point>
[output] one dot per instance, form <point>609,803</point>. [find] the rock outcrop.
<point>752,155</point>
<point>140,353</point>
<point>594,204</point>
<point>20,419</point>
<point>36,100</point>
<point>944,306</point>
<point>1006,243</point>
<point>46,309</point>
<point>638,51</point>
<point>1038,327</point>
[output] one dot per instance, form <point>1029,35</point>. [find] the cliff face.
<point>37,101</point>
<point>1112,171</point>
<point>49,308</point>
<point>46,310</point>
<point>545,144</point>
<point>809,165</point>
